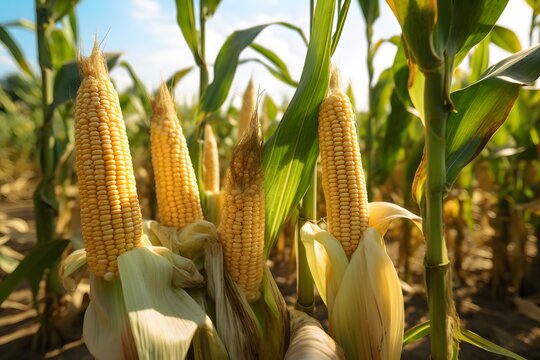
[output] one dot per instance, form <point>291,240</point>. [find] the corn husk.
<point>234,319</point>
<point>309,341</point>
<point>145,312</point>
<point>363,294</point>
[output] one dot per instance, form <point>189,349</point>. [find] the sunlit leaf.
<point>13,48</point>
<point>59,8</point>
<point>370,10</point>
<point>185,17</point>
<point>211,7</point>
<point>175,78</point>
<point>417,20</point>
<point>481,109</point>
<point>138,85</point>
<point>61,47</point>
<point>480,342</point>
<point>291,152</point>
<point>281,67</point>
<point>471,22</point>
<point>506,39</point>
<point>479,60</point>
<point>226,63</point>
<point>416,333</point>
<point>342,16</point>
<point>535,5</point>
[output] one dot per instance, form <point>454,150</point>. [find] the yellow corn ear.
<point>110,213</point>
<point>211,161</point>
<point>176,185</point>
<point>241,230</point>
<point>248,107</point>
<point>343,178</point>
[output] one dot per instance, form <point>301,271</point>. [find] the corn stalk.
<point>438,275</point>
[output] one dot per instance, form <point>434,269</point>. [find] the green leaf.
<point>400,69</point>
<point>185,16</point>
<point>68,79</point>
<point>417,332</point>
<point>480,342</point>
<point>342,16</point>
<point>471,22</point>
<point>506,39</point>
<point>32,266</point>
<point>281,68</point>
<point>59,8</point>
<point>61,47</point>
<point>13,48</point>
<point>382,91</point>
<point>481,109</point>
<point>290,154</point>
<point>394,134</point>
<point>177,76</point>
<point>23,23</point>
<point>138,86</point>
<point>479,60</point>
<point>272,70</point>
<point>211,7</point>
<point>370,10</point>
<point>417,20</point>
<point>227,61</point>
<point>535,5</point>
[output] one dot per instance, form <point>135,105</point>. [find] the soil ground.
<point>497,321</point>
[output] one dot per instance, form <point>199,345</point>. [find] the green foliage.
<point>290,154</point>
<point>505,38</point>
<point>15,51</point>
<point>481,109</point>
<point>32,267</point>
<point>227,61</point>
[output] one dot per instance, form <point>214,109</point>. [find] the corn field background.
<point>446,111</point>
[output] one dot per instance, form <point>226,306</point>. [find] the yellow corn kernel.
<point>343,178</point>
<point>241,230</point>
<point>176,185</point>
<point>211,161</point>
<point>248,107</point>
<point>110,212</point>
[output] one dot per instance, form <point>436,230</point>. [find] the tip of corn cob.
<point>334,87</point>
<point>163,104</point>
<point>94,65</point>
<point>247,153</point>
<point>248,107</point>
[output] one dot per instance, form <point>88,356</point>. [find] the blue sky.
<point>147,33</point>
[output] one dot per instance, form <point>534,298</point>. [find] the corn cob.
<point>176,185</point>
<point>211,161</point>
<point>241,230</point>
<point>248,107</point>
<point>110,213</point>
<point>343,178</point>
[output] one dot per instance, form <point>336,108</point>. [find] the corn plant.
<point>437,39</point>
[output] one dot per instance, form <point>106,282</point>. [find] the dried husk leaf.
<point>309,341</point>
